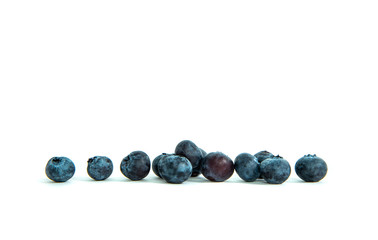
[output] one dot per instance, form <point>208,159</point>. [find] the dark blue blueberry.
<point>174,168</point>
<point>275,170</point>
<point>261,156</point>
<point>197,170</point>
<point>60,169</point>
<point>99,167</point>
<point>136,165</point>
<point>155,163</point>
<point>190,150</point>
<point>217,167</point>
<point>311,168</point>
<point>247,167</point>
<point>203,152</point>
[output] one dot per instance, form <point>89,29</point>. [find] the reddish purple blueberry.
<point>217,167</point>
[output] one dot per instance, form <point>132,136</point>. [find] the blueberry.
<point>60,169</point>
<point>247,167</point>
<point>190,150</point>
<point>175,168</point>
<point>197,170</point>
<point>311,168</point>
<point>275,170</point>
<point>261,156</point>
<point>99,167</point>
<point>136,165</point>
<point>155,163</point>
<point>203,152</point>
<point>217,167</point>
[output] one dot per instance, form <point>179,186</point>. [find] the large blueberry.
<point>190,151</point>
<point>99,167</point>
<point>155,163</point>
<point>247,167</point>
<point>275,170</point>
<point>174,168</point>
<point>60,169</point>
<point>311,168</point>
<point>197,170</point>
<point>217,167</point>
<point>136,165</point>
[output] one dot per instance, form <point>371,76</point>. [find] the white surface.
<point>84,78</point>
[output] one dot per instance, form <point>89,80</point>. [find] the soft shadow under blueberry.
<point>48,181</point>
<point>256,182</point>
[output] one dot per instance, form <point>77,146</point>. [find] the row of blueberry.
<point>190,160</point>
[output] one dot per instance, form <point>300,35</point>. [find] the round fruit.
<point>136,165</point>
<point>217,167</point>
<point>60,169</point>
<point>175,169</point>
<point>275,170</point>
<point>311,168</point>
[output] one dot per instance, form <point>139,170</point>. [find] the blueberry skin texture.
<point>155,163</point>
<point>203,152</point>
<point>136,165</point>
<point>175,169</point>
<point>275,170</point>
<point>189,150</point>
<point>217,167</point>
<point>247,167</point>
<point>197,170</point>
<point>262,155</point>
<point>311,168</point>
<point>60,169</point>
<point>99,167</point>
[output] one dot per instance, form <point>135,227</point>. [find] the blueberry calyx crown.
<point>277,157</point>
<point>310,155</point>
<point>56,160</point>
<point>92,159</point>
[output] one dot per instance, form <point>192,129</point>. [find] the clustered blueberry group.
<point>189,161</point>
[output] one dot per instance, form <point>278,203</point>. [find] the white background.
<point>84,78</point>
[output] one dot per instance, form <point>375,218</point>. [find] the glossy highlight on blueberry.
<point>311,168</point>
<point>189,150</point>
<point>60,169</point>
<point>275,170</point>
<point>136,165</point>
<point>217,167</point>
<point>99,167</point>
<point>175,168</point>
<point>247,167</point>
